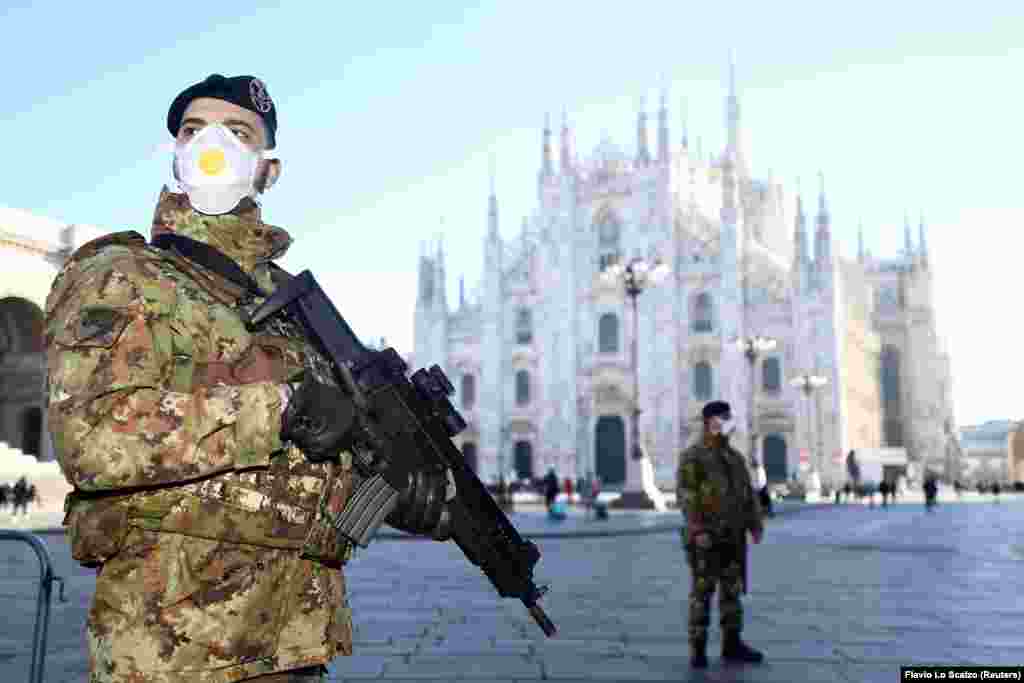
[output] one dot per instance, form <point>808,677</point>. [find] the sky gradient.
<point>390,112</point>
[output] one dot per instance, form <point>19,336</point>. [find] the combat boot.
<point>735,650</point>
<point>699,654</point>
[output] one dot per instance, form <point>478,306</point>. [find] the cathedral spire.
<point>546,164</point>
<point>908,246</point>
<point>643,154</point>
<point>492,205</point>
<point>860,242</point>
<point>663,143</point>
<point>921,241</point>
<point>800,257</point>
<point>565,151</point>
<point>442,279</point>
<point>823,235</point>
<point>686,133</point>
<point>735,134</point>
<point>800,229</point>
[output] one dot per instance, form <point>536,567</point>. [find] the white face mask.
<point>728,426</point>
<point>216,170</point>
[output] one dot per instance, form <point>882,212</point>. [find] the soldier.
<point>718,502</point>
<point>208,460</point>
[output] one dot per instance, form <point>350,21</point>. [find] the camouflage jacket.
<point>218,561</point>
<point>714,490</point>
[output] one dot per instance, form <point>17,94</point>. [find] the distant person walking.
<point>883,488</point>
<point>995,492</point>
<point>550,487</point>
<point>931,490</point>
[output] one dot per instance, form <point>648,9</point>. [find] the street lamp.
<point>809,383</point>
<point>636,276</point>
<point>752,347</point>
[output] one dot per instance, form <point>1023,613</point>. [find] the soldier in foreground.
<point>716,497</point>
<point>209,460</point>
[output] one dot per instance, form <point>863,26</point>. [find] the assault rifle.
<point>408,423</point>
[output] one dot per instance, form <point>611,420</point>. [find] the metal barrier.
<point>46,579</point>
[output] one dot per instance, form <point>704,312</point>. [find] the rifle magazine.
<point>371,502</point>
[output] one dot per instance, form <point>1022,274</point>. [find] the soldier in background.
<point>209,461</point>
<point>717,499</point>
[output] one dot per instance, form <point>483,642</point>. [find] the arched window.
<point>771,375</point>
<point>468,391</point>
<point>608,333</point>
<point>702,313</point>
<point>469,455</point>
<point>702,381</point>
<point>608,237</point>
<point>522,387</point>
<point>892,410</point>
<point>524,326</point>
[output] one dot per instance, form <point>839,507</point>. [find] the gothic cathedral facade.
<point>540,359</point>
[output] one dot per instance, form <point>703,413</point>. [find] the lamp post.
<point>809,384</point>
<point>752,348</point>
<point>636,276</point>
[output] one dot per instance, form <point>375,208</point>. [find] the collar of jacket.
<point>240,234</point>
<point>715,441</point>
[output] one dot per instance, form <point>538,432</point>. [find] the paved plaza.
<point>838,593</point>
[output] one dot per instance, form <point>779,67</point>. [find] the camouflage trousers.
<point>311,674</point>
<point>710,569</point>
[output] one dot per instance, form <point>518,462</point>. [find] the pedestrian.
<point>995,492</point>
<point>208,460</point>
<point>931,489</point>
<point>719,506</point>
<point>20,496</point>
<point>568,491</point>
<point>550,487</point>
<point>760,480</point>
<point>883,488</point>
<point>5,491</point>
<point>958,488</point>
<point>847,490</point>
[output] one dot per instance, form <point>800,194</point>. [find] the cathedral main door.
<point>773,451</point>
<point>524,460</point>
<point>610,449</point>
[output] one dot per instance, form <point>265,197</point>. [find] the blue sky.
<point>389,113</point>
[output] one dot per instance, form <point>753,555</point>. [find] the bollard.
<point>46,579</point>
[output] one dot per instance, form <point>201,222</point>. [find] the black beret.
<point>247,92</point>
<point>716,409</point>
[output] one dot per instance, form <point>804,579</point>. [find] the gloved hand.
<point>423,505</point>
<point>318,419</point>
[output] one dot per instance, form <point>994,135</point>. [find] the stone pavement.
<point>838,593</point>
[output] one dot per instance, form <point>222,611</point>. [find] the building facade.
<point>32,249</point>
<point>540,358</point>
<point>991,452</point>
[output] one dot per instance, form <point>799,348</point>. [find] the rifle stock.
<point>408,423</point>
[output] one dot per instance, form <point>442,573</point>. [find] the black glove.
<point>422,508</point>
<point>318,420</point>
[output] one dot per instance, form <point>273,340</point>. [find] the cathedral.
<point>540,359</point>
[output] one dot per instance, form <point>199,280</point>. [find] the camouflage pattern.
<point>718,567</point>
<point>715,493</point>
<point>214,541</point>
